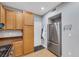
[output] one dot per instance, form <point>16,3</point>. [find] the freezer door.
<point>54,48</point>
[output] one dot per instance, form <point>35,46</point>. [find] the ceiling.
<point>39,8</point>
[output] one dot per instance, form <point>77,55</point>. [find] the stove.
<point>5,50</point>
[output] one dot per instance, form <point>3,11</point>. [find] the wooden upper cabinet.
<point>28,39</point>
<point>19,20</point>
<point>10,19</point>
<point>28,18</point>
<point>2,15</point>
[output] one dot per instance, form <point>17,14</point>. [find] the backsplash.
<point>10,33</point>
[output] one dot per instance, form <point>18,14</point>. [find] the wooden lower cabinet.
<point>17,48</point>
<point>28,39</point>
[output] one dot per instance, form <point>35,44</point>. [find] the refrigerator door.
<point>54,44</point>
<point>54,32</point>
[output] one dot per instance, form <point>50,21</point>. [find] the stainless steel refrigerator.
<point>54,37</point>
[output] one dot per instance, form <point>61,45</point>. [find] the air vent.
<point>53,9</point>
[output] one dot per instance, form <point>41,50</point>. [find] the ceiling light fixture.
<point>42,8</point>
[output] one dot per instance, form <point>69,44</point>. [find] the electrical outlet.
<point>69,34</point>
<point>69,53</point>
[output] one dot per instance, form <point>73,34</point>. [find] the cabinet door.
<point>18,48</point>
<point>19,20</point>
<point>28,39</point>
<point>10,19</point>
<point>28,18</point>
<point>2,15</point>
